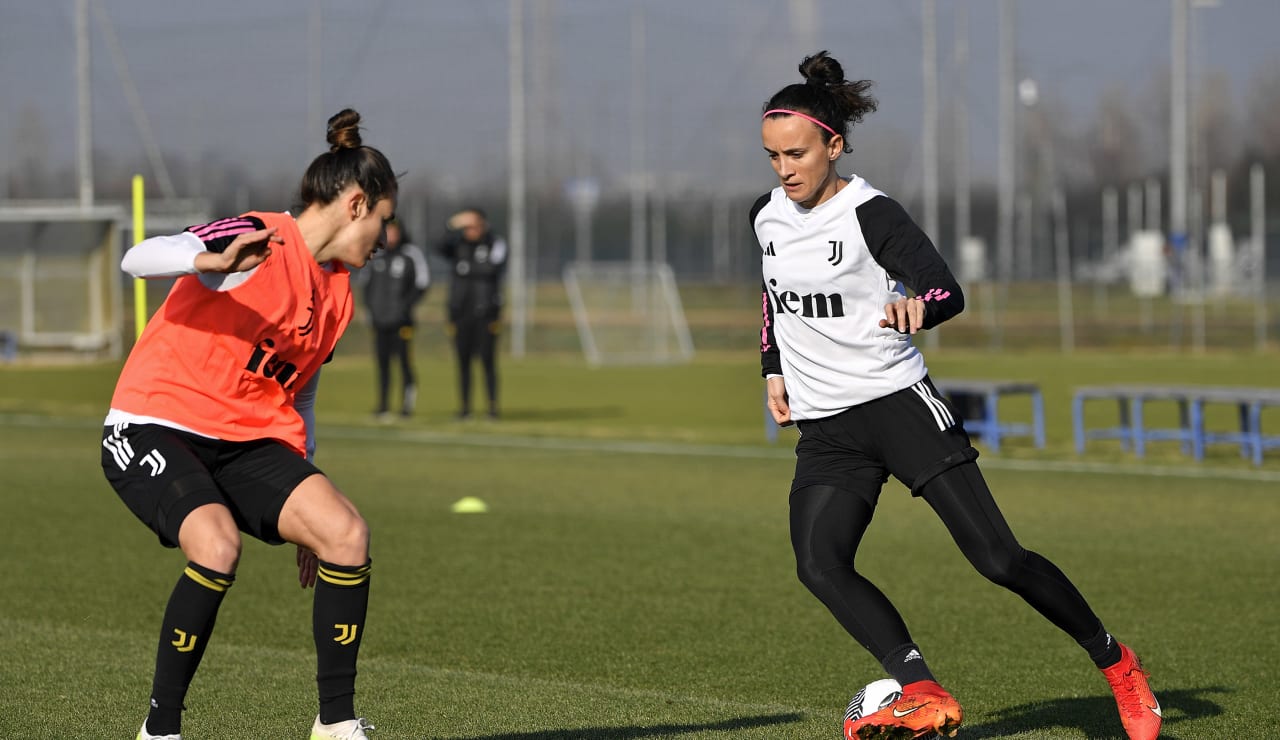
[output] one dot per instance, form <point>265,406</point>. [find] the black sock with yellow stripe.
<point>184,633</point>
<point>342,600</point>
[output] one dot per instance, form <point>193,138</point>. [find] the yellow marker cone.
<point>470,505</point>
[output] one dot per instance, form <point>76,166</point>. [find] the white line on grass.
<point>693,449</point>
<point>63,634</point>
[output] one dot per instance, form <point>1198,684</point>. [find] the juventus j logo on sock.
<point>346,633</point>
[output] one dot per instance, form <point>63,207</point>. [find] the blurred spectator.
<point>479,258</point>
<point>395,279</point>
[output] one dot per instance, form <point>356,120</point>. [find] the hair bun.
<point>344,130</point>
<point>822,70</point>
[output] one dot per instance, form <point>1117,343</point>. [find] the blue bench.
<point>1191,432</point>
<point>978,402</point>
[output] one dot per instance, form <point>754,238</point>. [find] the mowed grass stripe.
<point>340,432</point>
<point>412,699</point>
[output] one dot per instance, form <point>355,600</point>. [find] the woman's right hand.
<point>244,253</point>
<point>778,406</point>
<point>308,567</point>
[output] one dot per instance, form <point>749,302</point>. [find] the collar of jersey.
<point>807,212</point>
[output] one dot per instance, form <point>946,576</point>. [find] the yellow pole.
<point>139,233</point>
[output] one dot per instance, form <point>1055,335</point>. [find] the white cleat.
<point>352,729</point>
<point>144,735</point>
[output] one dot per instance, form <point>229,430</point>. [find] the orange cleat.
<point>1139,710</point>
<point>923,709</point>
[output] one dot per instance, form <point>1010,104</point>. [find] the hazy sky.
<point>233,79</point>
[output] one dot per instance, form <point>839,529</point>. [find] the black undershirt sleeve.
<point>904,250</point>
<point>221,241</point>
<point>770,362</point>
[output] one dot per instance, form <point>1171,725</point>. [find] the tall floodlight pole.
<point>1110,241</point>
<point>539,143</point>
<point>929,13</point>
<point>1178,124</point>
<point>1062,270</point>
<point>961,124</point>
<point>929,63</point>
<point>1258,225</point>
<point>516,181</point>
<point>140,120</point>
<point>639,180</point>
<point>639,173</point>
<point>1006,132</point>
<point>84,131</point>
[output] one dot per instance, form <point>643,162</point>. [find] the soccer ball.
<point>872,698</point>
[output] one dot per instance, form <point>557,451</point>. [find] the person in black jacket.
<point>395,280</point>
<point>479,258</point>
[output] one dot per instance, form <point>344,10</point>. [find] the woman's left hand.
<point>905,315</point>
<point>308,565</point>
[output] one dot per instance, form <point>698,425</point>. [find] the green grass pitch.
<point>633,578</point>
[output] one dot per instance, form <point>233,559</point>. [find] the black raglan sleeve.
<point>218,235</point>
<point>904,250</point>
<point>770,361</point>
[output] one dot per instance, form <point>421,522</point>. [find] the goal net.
<point>628,313</point>
<point>60,288</point>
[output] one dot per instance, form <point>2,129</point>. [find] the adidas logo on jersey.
<point>810,306</point>
<point>913,655</point>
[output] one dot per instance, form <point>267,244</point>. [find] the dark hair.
<point>347,161</point>
<point>827,96</point>
<point>476,210</point>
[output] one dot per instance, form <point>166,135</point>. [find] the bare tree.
<point>1217,145</point>
<point>1115,138</point>
<point>30,176</point>
<point>1264,114</point>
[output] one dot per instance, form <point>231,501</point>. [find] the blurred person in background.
<point>395,280</point>
<point>479,259</point>
<point>837,259</point>
<point>211,429</point>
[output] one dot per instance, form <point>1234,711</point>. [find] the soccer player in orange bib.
<point>837,256</point>
<point>211,428</point>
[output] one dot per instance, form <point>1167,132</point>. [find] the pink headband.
<point>801,115</point>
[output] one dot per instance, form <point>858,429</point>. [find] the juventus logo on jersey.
<point>837,252</point>
<point>310,323</point>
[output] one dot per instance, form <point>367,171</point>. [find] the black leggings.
<point>476,336</point>
<point>827,525</point>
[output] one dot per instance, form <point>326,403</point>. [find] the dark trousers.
<point>393,343</point>
<point>476,337</point>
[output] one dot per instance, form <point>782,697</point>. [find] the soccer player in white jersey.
<point>838,259</point>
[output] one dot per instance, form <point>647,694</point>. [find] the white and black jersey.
<point>828,273</point>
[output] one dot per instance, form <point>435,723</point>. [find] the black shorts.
<point>163,474</point>
<point>913,435</point>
